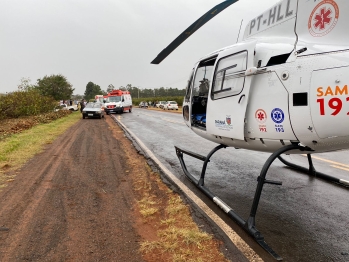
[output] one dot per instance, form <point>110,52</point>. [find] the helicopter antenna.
<point>239,31</point>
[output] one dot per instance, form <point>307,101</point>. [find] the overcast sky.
<point>112,41</point>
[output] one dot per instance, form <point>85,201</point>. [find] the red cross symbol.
<point>322,18</point>
<point>260,116</point>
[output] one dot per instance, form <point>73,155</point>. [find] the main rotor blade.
<point>191,29</point>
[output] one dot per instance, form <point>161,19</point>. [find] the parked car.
<point>161,104</point>
<point>171,105</point>
<point>66,107</point>
<point>143,104</point>
<point>102,104</point>
<point>93,110</point>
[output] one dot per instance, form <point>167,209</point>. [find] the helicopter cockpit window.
<point>230,76</point>
<point>202,82</point>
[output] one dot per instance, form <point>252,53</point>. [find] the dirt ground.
<point>76,201</point>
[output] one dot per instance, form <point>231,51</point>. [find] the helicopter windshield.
<point>202,82</point>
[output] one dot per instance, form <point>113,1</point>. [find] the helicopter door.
<point>200,90</point>
<point>230,92</point>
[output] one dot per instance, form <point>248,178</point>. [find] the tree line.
<point>137,92</point>
<point>59,88</point>
<point>93,89</point>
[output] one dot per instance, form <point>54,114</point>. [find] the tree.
<point>56,86</point>
<point>132,89</point>
<point>153,92</point>
<point>110,88</point>
<point>91,90</point>
<point>25,84</point>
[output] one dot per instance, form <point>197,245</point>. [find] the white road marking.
<point>232,235</point>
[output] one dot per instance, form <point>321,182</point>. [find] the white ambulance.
<point>118,101</point>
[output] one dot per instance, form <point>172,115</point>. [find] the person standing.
<point>82,105</point>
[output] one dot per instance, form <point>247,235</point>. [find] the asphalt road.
<point>305,219</point>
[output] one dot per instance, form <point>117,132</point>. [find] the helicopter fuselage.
<point>267,92</point>
<point>282,89</point>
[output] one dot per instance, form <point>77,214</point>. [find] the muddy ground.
<point>76,202</point>
<point>71,202</point>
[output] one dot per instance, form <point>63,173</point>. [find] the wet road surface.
<point>305,219</point>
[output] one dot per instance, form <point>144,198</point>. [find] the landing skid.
<point>312,172</point>
<point>248,225</point>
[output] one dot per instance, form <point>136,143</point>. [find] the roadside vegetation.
<point>25,103</point>
<point>32,100</point>
<point>18,148</point>
<point>12,126</point>
<point>32,104</point>
<point>28,120</point>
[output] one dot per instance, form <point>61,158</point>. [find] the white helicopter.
<point>283,88</point>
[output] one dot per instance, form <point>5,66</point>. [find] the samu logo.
<point>323,18</point>
<point>277,115</point>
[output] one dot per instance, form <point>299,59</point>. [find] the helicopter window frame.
<point>209,61</point>
<point>219,93</point>
<point>189,86</point>
<point>224,70</point>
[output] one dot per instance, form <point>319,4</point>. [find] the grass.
<point>146,206</point>
<point>148,246</point>
<point>19,148</point>
<point>178,234</point>
<point>148,211</point>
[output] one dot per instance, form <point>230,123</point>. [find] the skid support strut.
<point>249,225</point>
<point>312,172</point>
